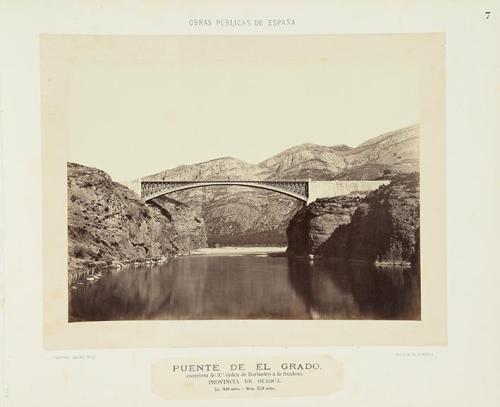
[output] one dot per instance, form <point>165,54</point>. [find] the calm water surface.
<point>249,286</point>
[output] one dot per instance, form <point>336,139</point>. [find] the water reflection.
<point>249,287</point>
<point>341,290</point>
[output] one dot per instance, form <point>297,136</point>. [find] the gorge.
<point>111,227</point>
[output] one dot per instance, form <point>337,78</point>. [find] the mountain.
<point>307,160</point>
<point>396,151</point>
<point>242,215</point>
<point>218,169</point>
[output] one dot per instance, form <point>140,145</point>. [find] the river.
<point>248,284</point>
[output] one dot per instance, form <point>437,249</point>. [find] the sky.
<point>133,106</point>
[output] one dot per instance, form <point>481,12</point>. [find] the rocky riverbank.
<point>381,227</point>
<point>314,224</point>
<point>109,226</point>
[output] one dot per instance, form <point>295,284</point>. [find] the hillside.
<point>108,222</point>
<point>396,151</point>
<point>217,169</point>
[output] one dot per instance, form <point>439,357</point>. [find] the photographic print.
<point>263,203</point>
<point>204,185</point>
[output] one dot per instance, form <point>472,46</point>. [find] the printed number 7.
<point>487,14</point>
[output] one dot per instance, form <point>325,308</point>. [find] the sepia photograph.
<point>242,185</point>
<point>269,204</point>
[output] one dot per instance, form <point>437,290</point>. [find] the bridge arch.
<point>154,189</point>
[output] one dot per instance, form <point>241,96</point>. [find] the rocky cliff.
<point>314,224</point>
<point>247,216</point>
<point>379,228</point>
<point>108,222</point>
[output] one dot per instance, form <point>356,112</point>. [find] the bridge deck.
<point>306,191</point>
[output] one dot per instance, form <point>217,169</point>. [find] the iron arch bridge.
<point>306,191</point>
<point>154,189</point>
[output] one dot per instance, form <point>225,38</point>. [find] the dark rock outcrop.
<point>383,228</point>
<point>313,225</point>
<point>189,226</point>
<point>108,223</point>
